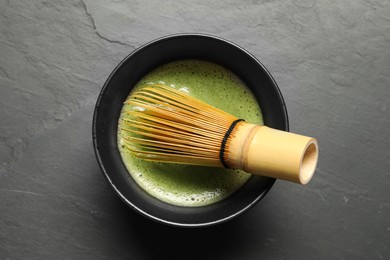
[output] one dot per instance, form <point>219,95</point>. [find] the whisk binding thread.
<point>224,140</point>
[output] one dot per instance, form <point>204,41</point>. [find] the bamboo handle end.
<point>278,154</point>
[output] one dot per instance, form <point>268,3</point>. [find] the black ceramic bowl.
<point>124,78</point>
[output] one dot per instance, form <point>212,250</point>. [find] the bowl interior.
<point>126,75</point>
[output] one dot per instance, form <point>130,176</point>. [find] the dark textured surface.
<point>331,60</point>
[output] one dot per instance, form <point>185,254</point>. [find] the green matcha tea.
<point>187,185</point>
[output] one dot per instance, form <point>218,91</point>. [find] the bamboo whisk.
<point>167,125</point>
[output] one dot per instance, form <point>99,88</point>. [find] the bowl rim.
<point>260,196</point>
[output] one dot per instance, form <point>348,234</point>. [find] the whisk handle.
<point>279,154</point>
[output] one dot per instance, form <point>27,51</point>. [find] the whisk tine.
<point>178,116</point>
<point>164,124</point>
<point>175,98</point>
<point>174,127</point>
<point>161,146</point>
<point>166,131</point>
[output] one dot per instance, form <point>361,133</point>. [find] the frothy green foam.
<point>186,185</point>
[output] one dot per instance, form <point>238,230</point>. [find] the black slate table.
<point>331,60</point>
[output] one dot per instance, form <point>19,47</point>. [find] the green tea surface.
<point>186,185</point>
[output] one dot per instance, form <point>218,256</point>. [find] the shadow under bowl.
<point>127,74</point>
